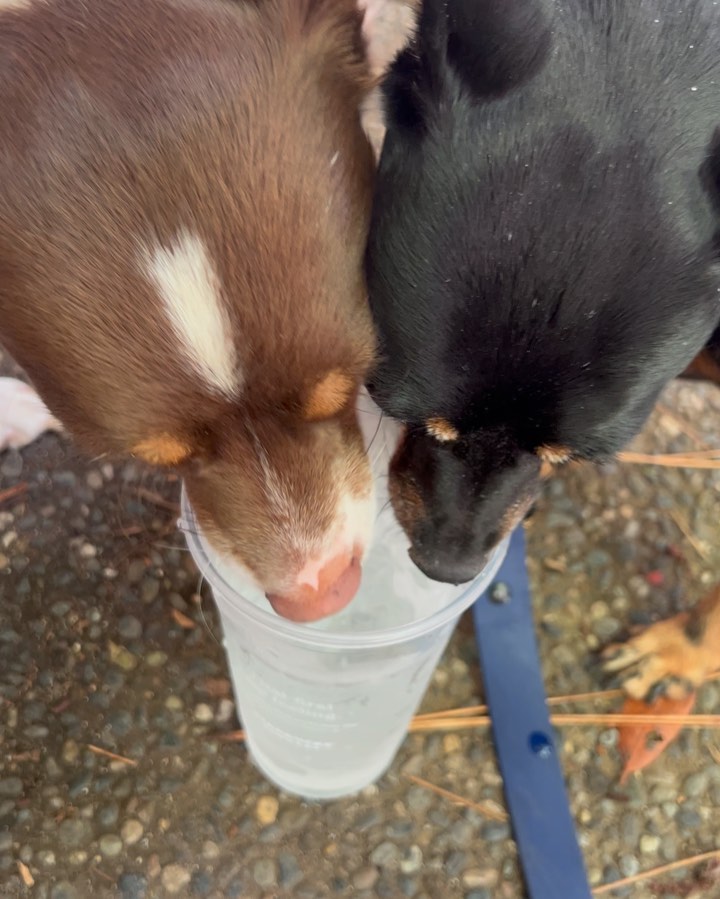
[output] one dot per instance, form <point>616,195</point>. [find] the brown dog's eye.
<point>441,430</point>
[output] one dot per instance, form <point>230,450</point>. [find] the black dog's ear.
<point>491,46</point>
<point>496,46</point>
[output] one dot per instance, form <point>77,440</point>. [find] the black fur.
<point>543,250</point>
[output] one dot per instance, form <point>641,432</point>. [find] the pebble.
<point>6,840</point>
<point>365,878</point>
<point>265,872</point>
<point>149,589</point>
<point>130,627</point>
<point>412,860</point>
<point>696,785</point>
<point>629,865</point>
<point>11,787</point>
<point>108,815</point>
<point>156,659</point>
<point>688,818</point>
<point>386,855</point>
<point>74,832</point>
<point>110,845</point>
<point>266,810</point>
<point>122,657</point>
<point>290,872</point>
<point>132,886</point>
<point>200,883</point>
<point>131,831</point>
<point>77,857</point>
<point>480,877</point>
<point>203,713</point>
<point>45,858</point>
<point>649,844</point>
<point>175,878</point>
<point>210,850</point>
<point>495,831</point>
<point>64,890</point>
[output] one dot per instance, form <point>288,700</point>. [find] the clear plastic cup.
<point>326,705</point>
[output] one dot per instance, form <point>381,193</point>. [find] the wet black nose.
<point>447,570</point>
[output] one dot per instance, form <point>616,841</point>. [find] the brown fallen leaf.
<point>186,623</point>
<point>641,744</point>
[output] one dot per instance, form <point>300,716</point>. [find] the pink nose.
<point>338,582</point>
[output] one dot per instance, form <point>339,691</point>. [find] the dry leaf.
<point>186,623</point>
<point>641,744</point>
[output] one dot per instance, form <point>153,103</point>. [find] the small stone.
<point>480,877</point>
<point>649,844</point>
<point>386,855</point>
<point>496,831</point>
<point>77,857</point>
<point>149,589</point>
<point>451,743</point>
<point>609,737</point>
<point>175,878</point>
<point>412,859</point>
<point>265,872</point>
<point>629,865</point>
<point>210,850</point>
<point>135,571</point>
<point>45,858</point>
<point>688,818</point>
<point>11,787</point>
<point>365,878</point>
<point>131,832</point>
<point>88,551</point>
<point>266,810</point>
<point>64,890</point>
<point>110,845</point>
<point>74,832</point>
<point>203,713</point>
<point>122,657</point>
<point>174,703</point>
<point>290,872</point>
<point>200,883</point>
<point>156,659</point>
<point>4,562</point>
<point>226,708</point>
<point>132,886</point>
<point>108,815</point>
<point>6,840</point>
<point>129,627</point>
<point>696,785</point>
<point>94,480</point>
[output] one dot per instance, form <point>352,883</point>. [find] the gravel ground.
<point>105,641</point>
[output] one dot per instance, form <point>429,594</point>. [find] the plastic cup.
<point>326,705</point>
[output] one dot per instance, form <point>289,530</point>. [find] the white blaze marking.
<point>189,285</point>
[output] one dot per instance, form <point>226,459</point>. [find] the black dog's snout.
<point>448,571</point>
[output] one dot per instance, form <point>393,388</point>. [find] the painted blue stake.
<point>524,740</point>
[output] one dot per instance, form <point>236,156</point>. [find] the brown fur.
<point>329,396</point>
<point>125,121</point>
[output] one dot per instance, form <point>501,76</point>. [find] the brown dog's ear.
<point>163,449</point>
<point>329,396</point>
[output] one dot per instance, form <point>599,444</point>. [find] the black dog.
<point>543,255</point>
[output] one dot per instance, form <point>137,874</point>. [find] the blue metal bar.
<point>534,787</point>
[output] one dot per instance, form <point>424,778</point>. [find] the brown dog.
<point>184,198</point>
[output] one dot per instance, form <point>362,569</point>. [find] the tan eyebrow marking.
<point>441,430</point>
<point>555,455</point>
<point>163,450</point>
<point>328,396</point>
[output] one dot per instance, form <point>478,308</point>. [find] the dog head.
<point>532,286</point>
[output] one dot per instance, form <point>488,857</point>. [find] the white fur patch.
<point>23,415</point>
<point>190,287</point>
<point>6,5</point>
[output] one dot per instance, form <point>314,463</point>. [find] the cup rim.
<point>302,633</point>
